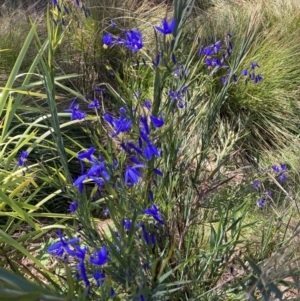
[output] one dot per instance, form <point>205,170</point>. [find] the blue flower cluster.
<point>139,153</point>
<point>71,247</point>
<point>133,40</point>
<point>98,172</point>
<point>74,110</point>
<point>22,158</point>
<point>280,173</point>
<point>216,56</point>
<point>64,248</point>
<point>121,124</point>
<point>250,74</point>
<point>178,95</point>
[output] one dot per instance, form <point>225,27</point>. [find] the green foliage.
<point>213,243</point>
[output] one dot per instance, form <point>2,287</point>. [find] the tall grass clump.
<point>12,40</point>
<point>158,161</point>
<point>267,113</point>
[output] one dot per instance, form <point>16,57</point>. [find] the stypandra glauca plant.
<point>173,230</point>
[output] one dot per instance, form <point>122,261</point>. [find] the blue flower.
<point>280,168</point>
<point>101,257</point>
<point>151,151</point>
<point>253,65</point>
<point>256,184</point>
<point>82,274</point>
<point>180,104</point>
<point>213,62</point>
<point>98,169</point>
<point>108,118</point>
<point>59,248</point>
<point>115,163</point>
<point>112,292</point>
<point>245,72</point>
<point>98,181</point>
<point>208,62</point>
<point>132,175</point>
<point>157,121</point>
<point>122,124</point>
<point>216,47</point>
<point>125,147</point>
<point>73,207</point>
<point>153,211</point>
<point>134,40</point>
<point>258,78</point>
<point>136,94</point>
<point>261,203</point>
<point>113,23</point>
<point>178,94</point>
<point>127,224</point>
<point>283,167</point>
<point>79,183</point>
<point>153,239</point>
<point>74,110</point>
<point>180,71</point>
<point>157,60</point>
<point>77,2</point>
<point>158,172</point>
<point>22,158</point>
<point>107,39</point>
<point>80,253</point>
<point>208,51</point>
<point>144,232</point>
<point>224,80</point>
<point>183,89</point>
<point>135,160</point>
<point>282,178</point>
<point>133,146</point>
<point>201,51</point>
<point>147,104</point>
<point>144,122</point>
<point>144,136</point>
<point>167,28</point>
<point>276,168</point>
<point>87,155</point>
<point>99,277</point>
<point>94,104</point>
<point>123,110</point>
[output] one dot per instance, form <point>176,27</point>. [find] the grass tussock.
<point>268,112</point>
